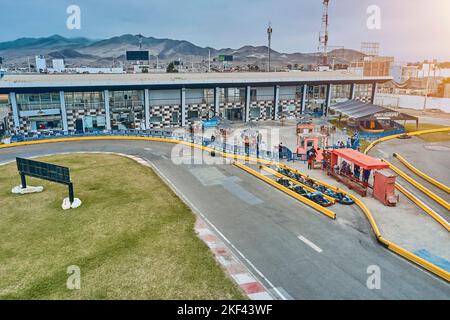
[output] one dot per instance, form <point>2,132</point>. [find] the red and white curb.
<point>233,267</point>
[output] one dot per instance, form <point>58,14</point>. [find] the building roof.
<point>362,160</point>
<point>12,81</point>
<point>361,111</point>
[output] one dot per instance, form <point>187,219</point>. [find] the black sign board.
<point>46,171</point>
<point>137,56</point>
<point>42,170</point>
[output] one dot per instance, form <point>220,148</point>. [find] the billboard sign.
<point>42,170</point>
<point>137,55</point>
<point>225,58</point>
<point>49,172</point>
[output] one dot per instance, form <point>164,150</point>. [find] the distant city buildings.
<point>372,66</point>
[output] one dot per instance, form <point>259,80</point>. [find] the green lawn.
<point>132,238</point>
<point>429,137</point>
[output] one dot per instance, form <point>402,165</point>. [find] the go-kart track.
<point>294,251</point>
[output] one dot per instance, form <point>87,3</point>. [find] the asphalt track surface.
<point>296,252</point>
<point>431,158</point>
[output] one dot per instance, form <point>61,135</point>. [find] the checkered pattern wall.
<point>265,110</point>
<point>287,109</point>
<point>74,114</point>
<point>164,113</point>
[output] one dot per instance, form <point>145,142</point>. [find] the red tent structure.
<point>362,160</point>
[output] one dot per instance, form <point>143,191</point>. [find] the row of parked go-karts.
<point>317,197</point>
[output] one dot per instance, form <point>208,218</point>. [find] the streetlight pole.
<point>269,37</point>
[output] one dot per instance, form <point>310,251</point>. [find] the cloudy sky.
<point>410,29</point>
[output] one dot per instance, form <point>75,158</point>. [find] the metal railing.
<point>186,137</point>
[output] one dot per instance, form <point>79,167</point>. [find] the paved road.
<point>330,260</point>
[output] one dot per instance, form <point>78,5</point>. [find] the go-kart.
<point>300,190</point>
<point>340,197</point>
<point>284,182</point>
<point>318,198</point>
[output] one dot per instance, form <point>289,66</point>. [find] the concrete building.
<point>409,72</point>
<point>146,101</point>
<point>58,65</point>
<point>41,64</point>
<point>372,66</point>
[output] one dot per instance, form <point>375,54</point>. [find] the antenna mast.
<point>323,36</point>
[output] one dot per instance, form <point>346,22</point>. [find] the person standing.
<point>280,151</point>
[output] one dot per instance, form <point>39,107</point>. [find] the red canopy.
<point>360,159</point>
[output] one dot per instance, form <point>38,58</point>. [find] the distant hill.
<point>88,52</point>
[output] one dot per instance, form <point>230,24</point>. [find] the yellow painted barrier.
<point>388,244</point>
<point>425,190</point>
<point>424,207</point>
<point>279,175</point>
<point>310,203</point>
<point>411,134</point>
<point>416,259</point>
<point>358,202</point>
<point>421,174</point>
<point>165,140</point>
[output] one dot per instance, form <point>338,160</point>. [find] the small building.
<point>372,120</point>
<point>41,64</point>
<point>58,65</point>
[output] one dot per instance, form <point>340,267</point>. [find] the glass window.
<point>38,101</point>
<point>255,113</point>
<point>291,108</point>
<point>175,119</point>
<point>192,114</point>
<point>155,119</point>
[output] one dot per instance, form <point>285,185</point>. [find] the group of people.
<point>346,170</point>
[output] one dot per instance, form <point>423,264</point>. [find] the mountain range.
<point>104,52</point>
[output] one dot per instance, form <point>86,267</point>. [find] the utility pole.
<point>209,60</point>
<point>269,38</point>
<point>426,90</point>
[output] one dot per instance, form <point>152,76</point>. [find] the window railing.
<point>38,106</point>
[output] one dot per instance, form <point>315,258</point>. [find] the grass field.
<point>430,137</point>
<point>132,238</point>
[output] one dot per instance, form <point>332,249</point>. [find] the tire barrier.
<point>424,207</point>
<point>310,203</point>
<point>411,134</point>
<point>386,243</point>
<point>421,174</point>
<point>419,186</point>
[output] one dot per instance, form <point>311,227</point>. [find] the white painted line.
<point>189,203</point>
<point>309,243</point>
